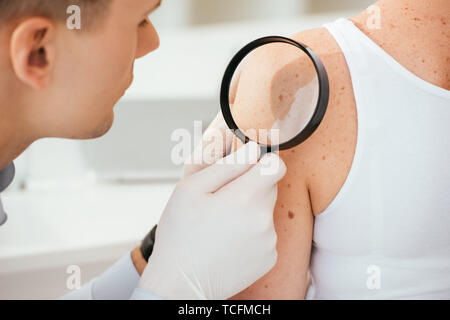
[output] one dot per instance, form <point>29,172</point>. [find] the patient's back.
<point>387,232</point>
<point>374,179</point>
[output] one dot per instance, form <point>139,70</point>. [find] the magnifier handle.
<point>148,243</point>
<point>264,149</point>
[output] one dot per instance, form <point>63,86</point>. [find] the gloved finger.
<point>266,173</point>
<point>227,169</point>
<point>216,143</point>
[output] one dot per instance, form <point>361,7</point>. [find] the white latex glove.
<point>216,236</point>
<point>216,143</point>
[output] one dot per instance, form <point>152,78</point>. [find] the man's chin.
<point>101,129</point>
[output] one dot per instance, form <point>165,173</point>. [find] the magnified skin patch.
<point>270,81</point>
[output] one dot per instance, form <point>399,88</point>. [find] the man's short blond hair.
<point>91,10</point>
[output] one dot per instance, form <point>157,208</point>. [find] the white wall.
<point>188,13</point>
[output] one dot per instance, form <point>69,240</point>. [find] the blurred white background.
<point>87,203</point>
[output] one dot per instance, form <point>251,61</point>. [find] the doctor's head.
<point>65,63</point>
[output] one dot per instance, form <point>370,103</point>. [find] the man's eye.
<point>144,23</point>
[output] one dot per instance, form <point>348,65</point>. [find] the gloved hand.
<point>216,236</point>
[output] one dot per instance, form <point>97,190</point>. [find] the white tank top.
<point>386,235</point>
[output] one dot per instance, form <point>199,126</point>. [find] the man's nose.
<point>148,41</point>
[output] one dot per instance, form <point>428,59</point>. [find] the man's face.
<point>93,69</point>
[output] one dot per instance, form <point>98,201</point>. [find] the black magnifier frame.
<point>322,102</point>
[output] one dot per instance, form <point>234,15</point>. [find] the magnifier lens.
<point>274,93</point>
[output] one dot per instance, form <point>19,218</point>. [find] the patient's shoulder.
<point>270,78</point>
<point>324,45</point>
<point>323,161</point>
<point>319,39</point>
<point>329,152</point>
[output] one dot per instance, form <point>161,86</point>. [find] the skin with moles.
<point>286,71</point>
<point>416,34</point>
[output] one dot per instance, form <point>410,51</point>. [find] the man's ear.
<point>32,50</point>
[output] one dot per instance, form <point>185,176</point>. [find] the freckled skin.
<point>263,95</point>
<point>317,169</point>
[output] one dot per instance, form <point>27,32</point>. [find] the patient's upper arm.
<point>266,88</point>
<point>294,225</point>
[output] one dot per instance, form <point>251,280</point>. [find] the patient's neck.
<point>426,7</point>
<point>415,32</point>
<point>415,17</point>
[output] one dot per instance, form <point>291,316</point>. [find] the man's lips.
<point>131,81</point>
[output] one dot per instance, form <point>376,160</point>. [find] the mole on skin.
<point>291,214</point>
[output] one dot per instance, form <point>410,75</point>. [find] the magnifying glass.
<point>297,90</point>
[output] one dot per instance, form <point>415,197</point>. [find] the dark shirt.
<point>6,177</point>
